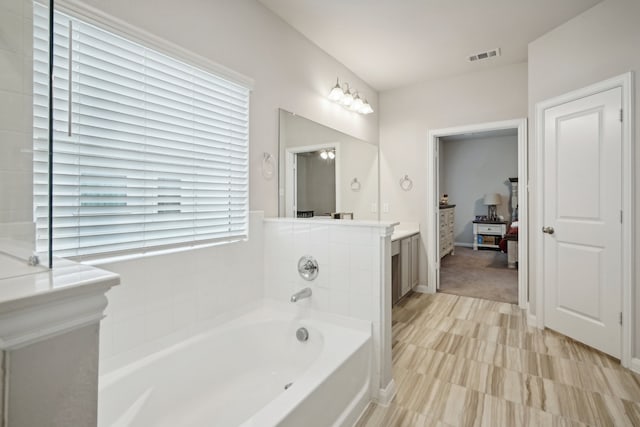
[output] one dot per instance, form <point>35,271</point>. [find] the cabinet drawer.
<point>489,229</point>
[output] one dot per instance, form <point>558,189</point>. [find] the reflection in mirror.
<point>317,168</point>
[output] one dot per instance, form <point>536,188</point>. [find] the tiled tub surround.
<point>354,277</point>
<point>236,373</point>
<point>164,298</point>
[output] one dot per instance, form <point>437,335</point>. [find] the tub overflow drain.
<point>302,334</point>
<point>286,386</point>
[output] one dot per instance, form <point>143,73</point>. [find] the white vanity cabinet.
<point>447,222</point>
<point>405,260</point>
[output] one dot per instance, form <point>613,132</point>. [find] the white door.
<point>582,220</point>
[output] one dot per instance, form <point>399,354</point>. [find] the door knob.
<point>548,230</point>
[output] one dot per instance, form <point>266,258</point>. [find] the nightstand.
<point>487,234</point>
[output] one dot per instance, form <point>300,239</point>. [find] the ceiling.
<point>393,43</point>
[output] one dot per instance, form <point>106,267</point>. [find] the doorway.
<point>312,180</point>
<point>434,239</point>
<point>478,178</point>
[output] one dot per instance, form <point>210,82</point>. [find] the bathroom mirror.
<point>324,171</point>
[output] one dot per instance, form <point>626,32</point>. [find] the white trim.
<point>625,82</point>
<point>464,245</point>
<point>111,23</point>
<point>635,365</point>
<point>386,395</point>
<point>423,289</point>
<point>44,320</point>
<point>531,317</point>
<point>290,182</point>
<point>432,235</point>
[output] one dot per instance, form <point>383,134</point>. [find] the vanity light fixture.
<point>343,95</point>
<point>328,154</point>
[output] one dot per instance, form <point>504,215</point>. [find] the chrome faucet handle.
<point>308,268</point>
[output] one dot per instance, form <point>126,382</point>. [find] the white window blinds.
<point>149,152</point>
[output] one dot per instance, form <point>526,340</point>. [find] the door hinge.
<point>620,217</point>
<point>621,318</point>
<point>621,115</point>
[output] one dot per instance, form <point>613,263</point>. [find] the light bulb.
<point>324,155</point>
<point>332,155</point>
<point>347,99</point>
<point>366,108</point>
<point>357,103</point>
<point>336,93</point>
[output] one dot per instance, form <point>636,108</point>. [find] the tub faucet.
<point>305,293</point>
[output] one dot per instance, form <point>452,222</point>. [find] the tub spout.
<point>305,293</point>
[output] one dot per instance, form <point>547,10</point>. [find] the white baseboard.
<point>635,365</point>
<point>385,395</point>
<point>464,245</point>
<point>532,320</point>
<point>423,289</point>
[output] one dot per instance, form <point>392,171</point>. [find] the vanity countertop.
<point>399,234</point>
<point>346,222</point>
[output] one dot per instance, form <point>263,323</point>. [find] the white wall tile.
<point>160,295</point>
<point>128,332</point>
<point>339,302</point>
<point>361,306</point>
<point>360,256</point>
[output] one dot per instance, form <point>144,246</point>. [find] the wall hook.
<point>406,183</point>
<point>268,165</point>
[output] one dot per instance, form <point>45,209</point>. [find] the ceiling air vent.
<point>484,55</point>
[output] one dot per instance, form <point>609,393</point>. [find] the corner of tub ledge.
<point>52,302</point>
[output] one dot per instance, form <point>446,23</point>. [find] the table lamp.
<point>491,200</point>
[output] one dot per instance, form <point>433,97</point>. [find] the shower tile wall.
<point>16,96</point>
<point>168,294</point>
<point>353,265</point>
<point>349,261</point>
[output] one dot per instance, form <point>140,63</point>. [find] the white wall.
<point>600,43</point>
<point>407,115</point>
<point>471,168</point>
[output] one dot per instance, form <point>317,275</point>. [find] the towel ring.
<point>406,183</point>
<point>268,166</point>
<point>355,185</point>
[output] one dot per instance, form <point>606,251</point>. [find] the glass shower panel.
<point>19,145</point>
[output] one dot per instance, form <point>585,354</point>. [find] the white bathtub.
<point>235,375</point>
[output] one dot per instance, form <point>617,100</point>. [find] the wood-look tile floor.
<point>460,361</point>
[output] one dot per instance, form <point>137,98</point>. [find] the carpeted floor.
<point>479,274</point>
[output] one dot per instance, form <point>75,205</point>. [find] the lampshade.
<point>366,108</point>
<point>336,93</point>
<point>357,103</point>
<point>492,199</point>
<point>347,99</point>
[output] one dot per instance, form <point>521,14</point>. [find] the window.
<point>149,152</point>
